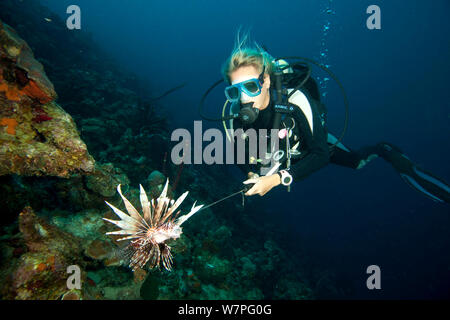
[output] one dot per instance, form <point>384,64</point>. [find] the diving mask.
<point>251,87</point>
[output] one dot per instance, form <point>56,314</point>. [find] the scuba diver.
<point>268,93</point>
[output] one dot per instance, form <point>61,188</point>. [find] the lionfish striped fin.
<point>124,225</point>
<point>164,192</point>
<point>122,215</point>
<point>194,210</point>
<point>166,258</point>
<point>128,238</point>
<point>131,235</point>
<point>174,206</point>
<point>145,206</point>
<point>122,232</point>
<point>152,207</point>
<point>161,204</point>
<point>131,210</point>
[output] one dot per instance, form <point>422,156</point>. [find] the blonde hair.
<point>246,54</point>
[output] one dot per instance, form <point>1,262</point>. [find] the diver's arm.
<point>316,148</point>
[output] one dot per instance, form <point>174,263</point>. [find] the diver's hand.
<point>262,184</point>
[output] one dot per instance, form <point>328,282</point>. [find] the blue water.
<point>396,79</point>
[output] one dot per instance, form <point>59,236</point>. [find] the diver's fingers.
<point>253,180</point>
<point>251,191</point>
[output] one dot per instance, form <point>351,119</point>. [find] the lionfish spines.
<point>149,231</point>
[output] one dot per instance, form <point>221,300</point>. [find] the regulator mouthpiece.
<point>248,114</point>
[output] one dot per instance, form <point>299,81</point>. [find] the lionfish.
<point>150,231</point>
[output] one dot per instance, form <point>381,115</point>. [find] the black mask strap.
<point>261,76</point>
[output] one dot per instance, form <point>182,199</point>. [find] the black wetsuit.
<point>312,145</point>
<point>315,150</point>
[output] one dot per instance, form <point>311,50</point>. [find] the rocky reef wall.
<point>37,137</point>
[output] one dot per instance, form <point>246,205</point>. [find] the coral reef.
<point>22,77</point>
<point>99,250</point>
<point>48,148</point>
<point>212,268</point>
<point>37,137</point>
<point>41,272</point>
<point>105,179</point>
